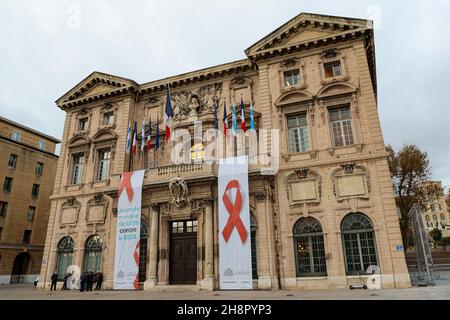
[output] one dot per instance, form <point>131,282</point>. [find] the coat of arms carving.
<point>179,191</point>
<point>196,101</point>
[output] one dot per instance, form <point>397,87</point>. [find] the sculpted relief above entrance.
<point>196,101</point>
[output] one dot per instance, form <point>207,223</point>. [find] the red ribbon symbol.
<point>136,260</point>
<point>234,210</point>
<point>126,184</point>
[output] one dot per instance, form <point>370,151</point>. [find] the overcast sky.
<point>47,47</point>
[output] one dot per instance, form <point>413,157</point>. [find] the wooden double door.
<point>183,252</point>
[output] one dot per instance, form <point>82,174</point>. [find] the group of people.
<point>87,280</point>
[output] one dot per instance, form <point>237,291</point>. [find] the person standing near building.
<point>54,279</point>
<point>99,278</point>
<point>82,281</point>
<point>90,280</point>
<point>66,277</point>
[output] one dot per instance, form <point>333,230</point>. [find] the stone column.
<point>152,278</point>
<point>267,274</point>
<point>208,281</point>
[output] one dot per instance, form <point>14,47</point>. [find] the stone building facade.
<point>436,215</point>
<point>27,172</point>
<point>326,214</point>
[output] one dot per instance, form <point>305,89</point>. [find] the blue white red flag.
<point>168,114</point>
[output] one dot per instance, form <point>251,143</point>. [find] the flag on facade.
<point>252,119</point>
<point>157,134</point>
<point>129,138</point>
<point>168,114</point>
<point>149,134</point>
<point>216,119</point>
<point>233,117</point>
<point>242,115</point>
<point>225,123</point>
<point>134,148</point>
<point>143,135</point>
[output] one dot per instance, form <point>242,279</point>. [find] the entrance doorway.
<point>183,252</point>
<point>20,267</point>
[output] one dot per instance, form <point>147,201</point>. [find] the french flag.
<point>242,116</point>
<point>149,134</point>
<point>225,123</point>
<point>168,114</point>
<point>134,148</point>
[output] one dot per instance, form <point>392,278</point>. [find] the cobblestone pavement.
<point>439,292</point>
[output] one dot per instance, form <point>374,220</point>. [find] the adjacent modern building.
<point>27,173</point>
<point>327,213</point>
<point>437,215</point>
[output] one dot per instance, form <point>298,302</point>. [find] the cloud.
<point>49,46</point>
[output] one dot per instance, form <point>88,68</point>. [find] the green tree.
<point>436,234</point>
<point>410,169</point>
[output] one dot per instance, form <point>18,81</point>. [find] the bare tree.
<point>410,170</point>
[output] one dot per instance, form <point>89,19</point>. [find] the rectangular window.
<point>191,226</point>
<point>12,161</point>
<point>332,69</point>
<point>291,78</point>
<point>41,145</point>
<point>35,191</point>
<point>78,166</point>
<point>177,227</point>
<point>3,208</point>
<point>83,124</point>
<point>39,168</point>
<point>108,118</point>
<point>26,236</point>
<point>298,133</point>
<point>151,158</point>
<point>30,214</point>
<point>341,126</point>
<point>7,185</point>
<point>16,136</point>
<point>103,165</point>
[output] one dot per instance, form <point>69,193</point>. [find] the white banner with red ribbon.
<point>234,225</point>
<point>128,231</point>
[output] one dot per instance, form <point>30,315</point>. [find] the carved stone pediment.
<point>351,181</point>
<point>197,101</point>
<point>303,186</point>
<point>178,191</point>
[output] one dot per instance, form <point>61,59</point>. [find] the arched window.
<point>64,256</point>
<point>358,239</point>
<point>253,246</point>
<point>143,252</point>
<point>309,248</point>
<point>93,254</point>
<point>435,221</point>
<point>427,218</point>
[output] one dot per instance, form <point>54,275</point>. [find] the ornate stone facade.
<point>314,81</point>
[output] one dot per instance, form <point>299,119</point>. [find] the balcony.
<point>194,171</point>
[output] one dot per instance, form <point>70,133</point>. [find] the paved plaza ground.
<point>439,292</point>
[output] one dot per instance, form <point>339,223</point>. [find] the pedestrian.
<point>90,280</point>
<point>82,281</point>
<point>66,278</point>
<point>36,280</point>
<point>99,277</point>
<point>54,279</point>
